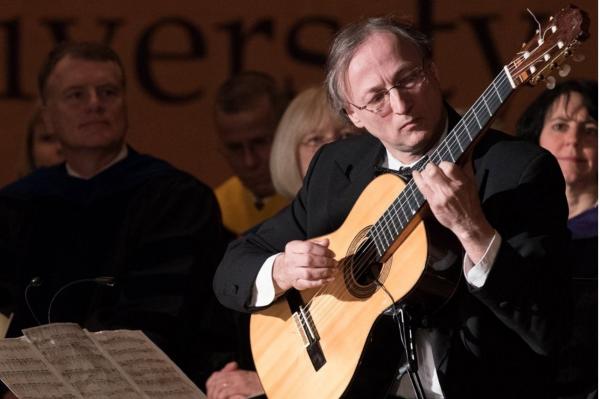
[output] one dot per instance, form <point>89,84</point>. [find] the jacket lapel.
<point>351,175</point>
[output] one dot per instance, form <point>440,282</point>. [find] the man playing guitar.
<point>503,203</point>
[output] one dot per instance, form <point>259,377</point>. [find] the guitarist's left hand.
<point>453,199</point>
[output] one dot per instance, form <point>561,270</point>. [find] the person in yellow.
<point>307,124</point>
<point>247,109</point>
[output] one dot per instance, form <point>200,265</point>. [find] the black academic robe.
<point>494,342</point>
<point>154,229</point>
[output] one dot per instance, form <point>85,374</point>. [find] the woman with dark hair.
<point>565,122</point>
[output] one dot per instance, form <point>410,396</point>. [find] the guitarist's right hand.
<point>303,265</point>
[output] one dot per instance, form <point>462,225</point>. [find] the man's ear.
<point>354,118</point>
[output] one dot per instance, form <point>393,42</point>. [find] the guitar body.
<point>343,315</point>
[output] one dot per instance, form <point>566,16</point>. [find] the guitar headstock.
<point>552,45</point>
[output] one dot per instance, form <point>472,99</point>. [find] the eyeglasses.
<point>380,103</point>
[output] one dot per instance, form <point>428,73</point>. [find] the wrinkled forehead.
<point>380,55</point>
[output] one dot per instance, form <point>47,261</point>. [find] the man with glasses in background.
<point>497,335</point>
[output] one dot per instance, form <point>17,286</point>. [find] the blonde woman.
<point>306,125</point>
<point>42,148</point>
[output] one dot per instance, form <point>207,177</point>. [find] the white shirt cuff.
<point>477,274</point>
<point>263,293</point>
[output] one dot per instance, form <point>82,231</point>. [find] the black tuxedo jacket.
<point>496,341</point>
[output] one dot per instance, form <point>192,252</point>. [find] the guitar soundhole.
<point>362,268</point>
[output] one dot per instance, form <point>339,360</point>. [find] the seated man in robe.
<point>110,238</point>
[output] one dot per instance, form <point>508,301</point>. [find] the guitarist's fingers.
<point>301,284</point>
<point>453,171</point>
<point>293,260</point>
<point>316,247</point>
<point>323,242</point>
<point>320,247</point>
<point>434,174</point>
<point>422,185</point>
<point>310,260</point>
<point>315,273</point>
<point>291,267</point>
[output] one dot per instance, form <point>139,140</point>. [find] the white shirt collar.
<point>120,156</point>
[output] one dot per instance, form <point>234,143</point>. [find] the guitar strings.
<point>336,287</point>
<point>361,261</point>
<point>449,148</point>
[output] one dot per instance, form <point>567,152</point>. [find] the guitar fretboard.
<point>399,214</point>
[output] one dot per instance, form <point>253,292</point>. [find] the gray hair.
<point>348,40</point>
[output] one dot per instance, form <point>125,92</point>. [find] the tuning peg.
<point>579,57</point>
<point>550,82</point>
<point>564,70</point>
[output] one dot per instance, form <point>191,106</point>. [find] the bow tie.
<point>405,172</point>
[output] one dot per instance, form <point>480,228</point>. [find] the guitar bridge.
<point>306,327</point>
<point>307,330</point>
<point>301,330</point>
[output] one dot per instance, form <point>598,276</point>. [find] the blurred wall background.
<point>176,54</point>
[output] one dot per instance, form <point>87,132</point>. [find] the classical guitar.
<point>311,344</point>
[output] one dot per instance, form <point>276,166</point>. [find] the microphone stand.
<point>35,282</point>
<point>104,280</point>
<point>404,320</point>
<point>107,281</point>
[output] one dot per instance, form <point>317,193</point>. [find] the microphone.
<point>35,282</point>
<point>107,281</point>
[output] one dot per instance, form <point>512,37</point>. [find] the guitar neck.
<point>400,213</point>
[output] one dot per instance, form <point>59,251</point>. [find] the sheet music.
<point>147,365</point>
<point>5,323</point>
<point>80,362</point>
<point>63,361</point>
<point>26,373</point>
